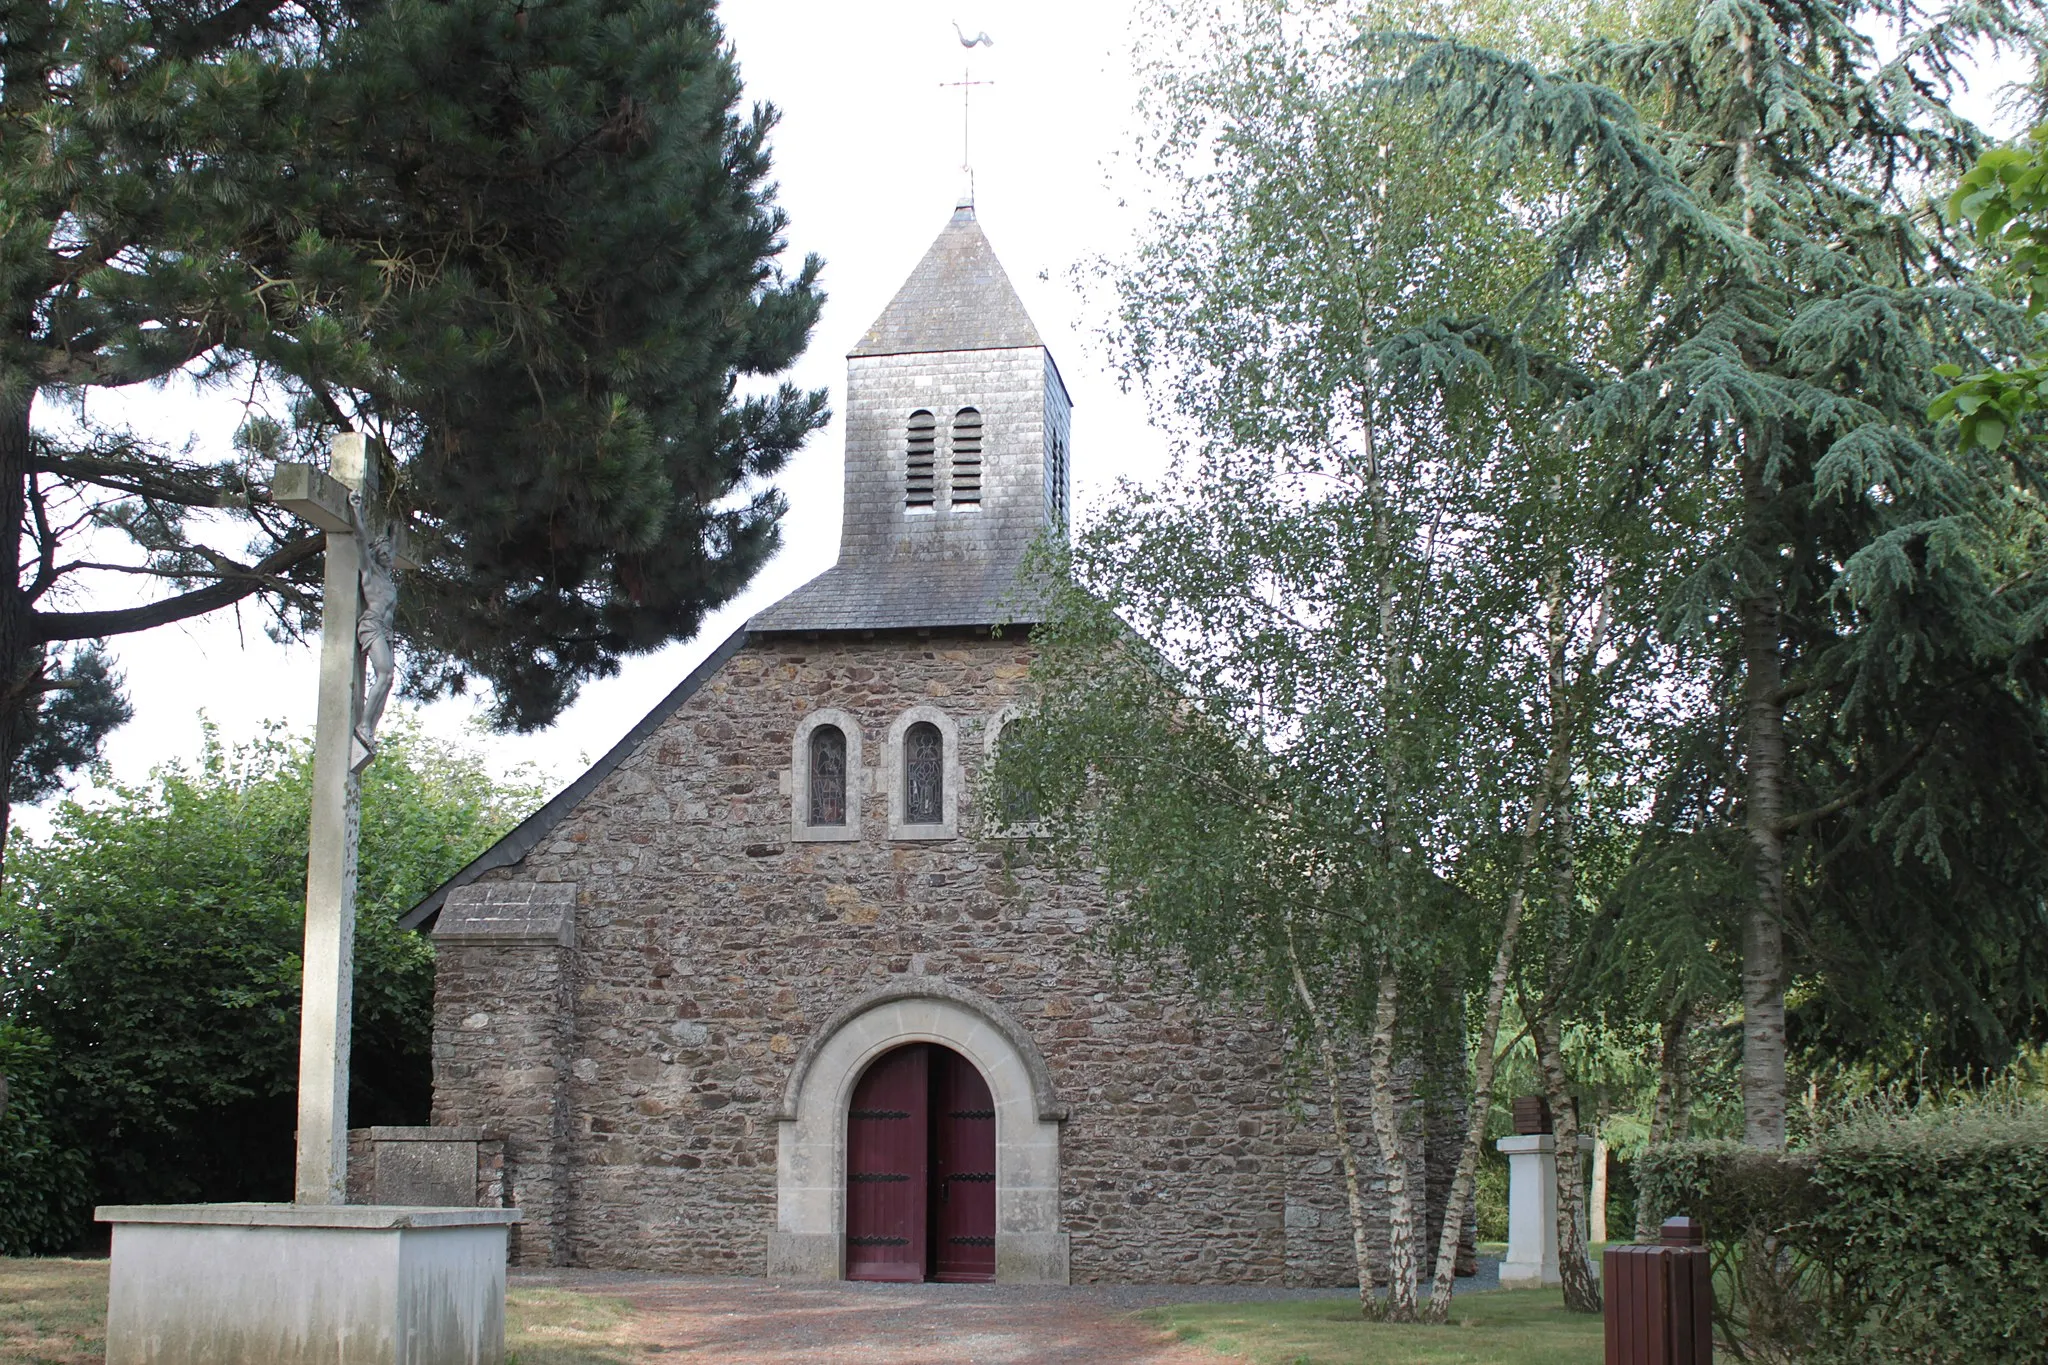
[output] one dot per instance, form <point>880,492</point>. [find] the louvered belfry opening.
<point>919,485</point>
<point>920,1169</point>
<point>1056,481</point>
<point>966,486</point>
<point>828,776</point>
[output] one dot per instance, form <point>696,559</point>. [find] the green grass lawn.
<point>53,1312</point>
<point>1507,1327</point>
<point>559,1327</point>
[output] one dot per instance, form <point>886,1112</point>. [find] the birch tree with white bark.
<point>1319,706</point>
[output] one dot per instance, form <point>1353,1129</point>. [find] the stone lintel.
<point>510,914</point>
<point>383,1133</point>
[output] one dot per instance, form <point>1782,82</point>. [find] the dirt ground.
<point>755,1322</point>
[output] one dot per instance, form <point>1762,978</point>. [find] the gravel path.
<point>756,1322</point>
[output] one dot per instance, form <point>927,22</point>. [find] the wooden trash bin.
<point>1660,1299</point>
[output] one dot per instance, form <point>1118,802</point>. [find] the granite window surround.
<point>999,825</point>
<point>800,827</point>
<point>900,826</point>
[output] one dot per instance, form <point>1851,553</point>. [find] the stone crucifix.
<point>365,548</point>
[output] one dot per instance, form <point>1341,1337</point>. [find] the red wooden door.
<point>887,1140</point>
<point>963,1157</point>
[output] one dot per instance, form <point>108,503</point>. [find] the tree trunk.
<point>1581,1293</point>
<point>1445,1082</point>
<point>1668,1110</point>
<point>1354,1197</point>
<point>1556,766</point>
<point>1487,1061</point>
<point>1597,1217</point>
<point>1763,928</point>
<point>1386,1123</point>
<point>31,51</point>
<point>21,654</point>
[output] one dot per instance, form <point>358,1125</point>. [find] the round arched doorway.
<point>921,1169</point>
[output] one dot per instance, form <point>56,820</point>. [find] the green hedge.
<point>1920,1237</point>
<point>45,1187</point>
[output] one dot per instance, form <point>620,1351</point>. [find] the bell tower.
<point>957,452</point>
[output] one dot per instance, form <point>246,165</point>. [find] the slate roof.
<point>958,299</point>
<point>903,594</point>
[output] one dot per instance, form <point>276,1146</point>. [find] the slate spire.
<point>957,299</point>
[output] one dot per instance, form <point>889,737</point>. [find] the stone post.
<point>331,864</point>
<point>1532,1210</point>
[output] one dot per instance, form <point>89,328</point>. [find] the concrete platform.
<point>285,1284</point>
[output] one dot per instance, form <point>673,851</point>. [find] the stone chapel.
<point>759,993</point>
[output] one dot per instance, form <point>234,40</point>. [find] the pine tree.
<point>1762,181</point>
<point>530,248</point>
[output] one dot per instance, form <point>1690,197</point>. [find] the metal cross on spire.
<point>966,85</point>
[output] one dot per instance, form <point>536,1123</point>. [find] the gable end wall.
<point>637,1074</point>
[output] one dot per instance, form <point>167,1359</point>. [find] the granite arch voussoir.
<point>808,1241</point>
<point>1048,1108</point>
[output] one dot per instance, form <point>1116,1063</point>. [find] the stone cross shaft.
<point>357,600</point>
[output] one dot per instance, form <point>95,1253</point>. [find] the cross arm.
<point>312,495</point>
<point>316,496</point>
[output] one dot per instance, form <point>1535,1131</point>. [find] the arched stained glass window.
<point>924,775</point>
<point>1017,799</point>
<point>966,485</point>
<point>828,776</point>
<point>919,444</point>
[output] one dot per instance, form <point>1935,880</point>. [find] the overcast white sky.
<point>868,158</point>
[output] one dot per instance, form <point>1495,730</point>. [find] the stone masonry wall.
<point>708,945</point>
<point>504,1022</point>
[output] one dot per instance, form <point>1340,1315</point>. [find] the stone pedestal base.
<point>1531,1261</point>
<point>281,1284</point>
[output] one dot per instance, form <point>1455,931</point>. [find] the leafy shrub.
<point>45,1193</point>
<point>152,942</point>
<point>1920,1237</point>
<point>1490,1195</point>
